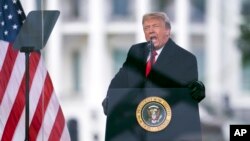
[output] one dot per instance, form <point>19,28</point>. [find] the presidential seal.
<point>153,114</point>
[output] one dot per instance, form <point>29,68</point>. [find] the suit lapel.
<point>166,56</point>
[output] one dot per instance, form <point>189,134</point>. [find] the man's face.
<point>156,30</point>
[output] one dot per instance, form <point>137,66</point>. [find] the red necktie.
<point>150,62</point>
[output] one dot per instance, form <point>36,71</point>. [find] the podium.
<point>152,114</point>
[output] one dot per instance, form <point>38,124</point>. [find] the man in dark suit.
<point>159,62</point>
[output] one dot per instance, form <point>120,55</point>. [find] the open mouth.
<point>153,39</point>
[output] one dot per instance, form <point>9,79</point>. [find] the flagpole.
<point>27,51</point>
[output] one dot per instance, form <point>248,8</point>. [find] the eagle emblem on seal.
<point>154,114</point>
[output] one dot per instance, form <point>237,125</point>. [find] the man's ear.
<point>167,32</point>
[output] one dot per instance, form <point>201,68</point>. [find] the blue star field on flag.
<point>12,17</point>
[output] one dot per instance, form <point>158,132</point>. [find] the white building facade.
<point>91,38</point>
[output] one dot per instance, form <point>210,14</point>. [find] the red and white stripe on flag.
<point>47,122</point>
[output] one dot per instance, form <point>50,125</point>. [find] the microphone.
<point>150,45</point>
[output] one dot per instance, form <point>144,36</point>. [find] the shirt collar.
<point>159,51</point>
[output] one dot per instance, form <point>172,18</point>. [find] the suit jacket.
<point>175,67</point>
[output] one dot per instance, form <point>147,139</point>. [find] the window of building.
<point>198,11</point>
<point>76,65</point>
<point>73,62</point>
<point>121,10</point>
<point>246,76</point>
<point>73,129</point>
<point>244,43</point>
<point>119,46</point>
<point>74,10</point>
<point>167,6</point>
<point>120,7</point>
<point>197,48</point>
<point>96,137</point>
<point>119,57</point>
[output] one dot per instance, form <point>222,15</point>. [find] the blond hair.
<point>157,15</point>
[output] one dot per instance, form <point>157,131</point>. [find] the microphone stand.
<point>27,51</point>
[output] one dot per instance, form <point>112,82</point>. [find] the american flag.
<point>47,122</point>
